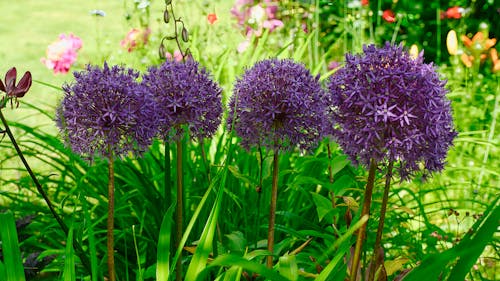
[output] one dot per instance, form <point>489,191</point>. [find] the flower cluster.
<point>62,53</point>
<point>135,38</point>
<point>391,107</point>
<point>12,90</point>
<point>277,104</point>
<point>254,18</point>
<point>106,111</point>
<point>185,95</point>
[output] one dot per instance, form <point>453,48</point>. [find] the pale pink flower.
<point>177,56</point>
<point>62,53</point>
<point>135,38</point>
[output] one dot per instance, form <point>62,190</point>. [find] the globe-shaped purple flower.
<point>277,104</point>
<point>391,107</point>
<point>105,111</point>
<point>185,95</point>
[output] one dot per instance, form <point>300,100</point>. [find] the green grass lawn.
<point>27,27</point>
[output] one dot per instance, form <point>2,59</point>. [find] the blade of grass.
<point>69,273</point>
<point>163,251</point>
<point>10,247</point>
<point>92,244</point>
<point>200,257</point>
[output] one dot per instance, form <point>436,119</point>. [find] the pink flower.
<point>62,53</point>
<point>243,46</point>
<point>272,24</point>
<point>255,17</point>
<point>177,56</point>
<point>211,18</point>
<point>135,38</point>
<point>389,16</point>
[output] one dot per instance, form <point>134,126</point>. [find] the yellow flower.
<point>452,42</point>
<point>414,51</point>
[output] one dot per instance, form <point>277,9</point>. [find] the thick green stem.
<point>78,248</point>
<point>179,210</point>
<point>111,218</point>
<point>380,228</point>
<point>365,211</point>
<point>272,210</point>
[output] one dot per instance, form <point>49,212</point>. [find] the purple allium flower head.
<point>185,95</point>
<point>391,107</point>
<point>277,104</point>
<point>105,108</point>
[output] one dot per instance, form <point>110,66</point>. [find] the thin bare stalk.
<point>380,229</point>
<point>365,211</point>
<point>78,248</point>
<point>179,210</point>
<point>111,217</point>
<point>272,210</point>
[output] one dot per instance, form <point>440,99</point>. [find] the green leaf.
<point>13,263</point>
<point>69,273</point>
<point>163,250</point>
<point>200,257</point>
<point>323,205</point>
<point>233,260</point>
<point>288,267</point>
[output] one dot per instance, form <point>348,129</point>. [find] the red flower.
<point>389,16</point>
<point>211,18</point>
<point>10,87</point>
<point>365,2</point>
<point>453,13</point>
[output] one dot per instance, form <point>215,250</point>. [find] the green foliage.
<point>227,193</point>
<point>11,269</point>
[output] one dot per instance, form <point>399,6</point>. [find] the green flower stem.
<point>179,207</point>
<point>365,211</point>
<point>167,194</point>
<point>380,228</point>
<point>330,177</point>
<point>272,210</point>
<point>78,248</point>
<point>205,160</point>
<point>258,189</point>
<point>111,217</point>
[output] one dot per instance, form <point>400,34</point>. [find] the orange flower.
<point>495,60</point>
<point>211,18</point>
<point>478,42</point>
<point>467,60</point>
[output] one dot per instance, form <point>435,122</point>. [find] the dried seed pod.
<point>166,16</point>
<point>185,37</point>
<point>162,51</point>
